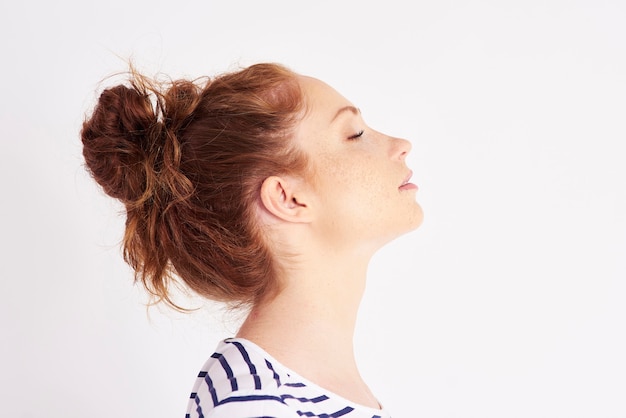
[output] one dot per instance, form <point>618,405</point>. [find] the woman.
<point>264,189</point>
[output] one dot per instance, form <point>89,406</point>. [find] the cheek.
<point>359,187</point>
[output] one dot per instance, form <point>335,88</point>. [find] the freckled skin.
<point>356,181</point>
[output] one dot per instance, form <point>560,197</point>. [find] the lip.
<point>406,185</point>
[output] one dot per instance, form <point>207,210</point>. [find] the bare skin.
<point>323,232</point>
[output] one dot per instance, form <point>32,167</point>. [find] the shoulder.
<point>236,365</point>
<point>239,381</point>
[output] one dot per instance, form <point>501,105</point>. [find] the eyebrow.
<point>345,109</point>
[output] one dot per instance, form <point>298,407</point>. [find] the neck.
<point>318,298</point>
<point>309,325</point>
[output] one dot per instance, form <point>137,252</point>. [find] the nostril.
<point>403,147</point>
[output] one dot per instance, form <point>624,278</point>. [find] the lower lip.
<point>408,186</point>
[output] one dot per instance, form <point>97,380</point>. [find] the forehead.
<point>318,130</point>
<point>322,101</point>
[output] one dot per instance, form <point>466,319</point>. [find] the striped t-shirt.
<point>240,380</point>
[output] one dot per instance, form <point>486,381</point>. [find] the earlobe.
<point>285,198</point>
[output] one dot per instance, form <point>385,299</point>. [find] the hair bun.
<point>187,158</point>
<point>121,141</point>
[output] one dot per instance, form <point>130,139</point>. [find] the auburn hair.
<point>187,160</point>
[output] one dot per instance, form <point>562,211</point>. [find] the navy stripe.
<point>212,391</point>
<point>276,376</point>
<point>295,385</point>
<point>337,414</point>
<point>229,371</point>
<point>193,395</point>
<point>318,399</point>
<point>344,411</point>
<point>251,398</point>
<point>252,367</point>
<point>199,408</point>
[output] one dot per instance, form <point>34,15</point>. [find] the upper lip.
<point>407,178</point>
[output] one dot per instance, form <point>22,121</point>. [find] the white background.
<point>508,302</point>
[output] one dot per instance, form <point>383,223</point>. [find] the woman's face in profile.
<point>361,180</point>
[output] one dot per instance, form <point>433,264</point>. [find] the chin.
<point>417,218</point>
<point>415,222</point>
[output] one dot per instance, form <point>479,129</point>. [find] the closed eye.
<point>356,135</point>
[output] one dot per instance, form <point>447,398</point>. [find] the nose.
<point>400,148</point>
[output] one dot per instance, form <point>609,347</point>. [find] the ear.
<point>286,198</point>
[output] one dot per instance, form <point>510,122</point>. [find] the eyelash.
<point>357,135</point>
